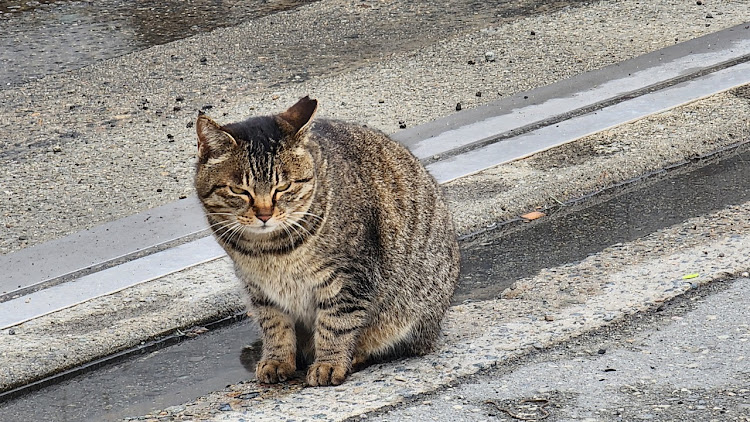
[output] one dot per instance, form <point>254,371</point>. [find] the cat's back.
<point>371,155</point>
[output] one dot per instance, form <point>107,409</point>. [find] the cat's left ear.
<point>212,141</point>
<point>296,120</point>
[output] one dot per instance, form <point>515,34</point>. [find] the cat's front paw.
<point>324,374</point>
<point>271,371</point>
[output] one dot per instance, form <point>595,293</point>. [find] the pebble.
<point>458,107</point>
<point>489,56</point>
<point>225,407</point>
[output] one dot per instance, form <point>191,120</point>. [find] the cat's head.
<point>256,178</point>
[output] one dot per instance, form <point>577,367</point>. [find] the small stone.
<point>381,101</point>
<point>204,60</point>
<point>699,3</point>
<point>479,93</point>
<point>709,16</point>
<point>56,149</point>
<point>746,274</point>
<point>170,137</point>
<point>225,407</point>
<point>471,62</point>
<point>458,107</point>
<point>12,332</point>
<point>176,108</point>
<point>402,124</point>
<point>189,125</point>
<point>549,317</point>
<point>532,33</point>
<point>489,56</point>
<point>180,99</point>
<point>159,190</point>
<point>250,395</point>
<point>601,351</point>
<point>207,107</point>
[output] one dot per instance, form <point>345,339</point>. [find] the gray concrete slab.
<point>688,361</point>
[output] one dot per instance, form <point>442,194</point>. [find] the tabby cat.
<point>339,235</point>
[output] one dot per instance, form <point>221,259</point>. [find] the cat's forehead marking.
<point>213,161</point>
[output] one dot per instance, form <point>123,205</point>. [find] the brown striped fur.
<point>339,234</point>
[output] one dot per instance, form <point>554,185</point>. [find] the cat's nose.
<point>263,217</point>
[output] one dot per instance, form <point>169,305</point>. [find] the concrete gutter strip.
<point>124,319</point>
<point>100,243</point>
<point>504,117</point>
<point>600,160</point>
<point>79,251</point>
<point>110,280</point>
<point>551,136</point>
<point>621,280</point>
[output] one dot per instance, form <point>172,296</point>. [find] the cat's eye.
<point>285,186</point>
<point>238,191</point>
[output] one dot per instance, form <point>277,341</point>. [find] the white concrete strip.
<point>523,116</point>
<point>108,281</point>
<point>575,128</point>
<point>79,251</point>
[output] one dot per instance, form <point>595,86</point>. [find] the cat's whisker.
<point>294,223</point>
<point>225,222</point>
<point>288,232</point>
<point>316,216</point>
<point>228,231</point>
<point>297,232</point>
<point>236,232</point>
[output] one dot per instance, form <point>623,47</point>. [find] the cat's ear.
<point>298,117</point>
<point>212,141</point>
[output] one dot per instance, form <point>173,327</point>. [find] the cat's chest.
<point>287,280</point>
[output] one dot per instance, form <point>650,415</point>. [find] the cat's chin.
<point>262,230</point>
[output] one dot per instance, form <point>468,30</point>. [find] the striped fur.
<point>339,235</point>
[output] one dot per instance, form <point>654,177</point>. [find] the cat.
<point>339,235</point>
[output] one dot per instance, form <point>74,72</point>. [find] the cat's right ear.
<point>212,141</point>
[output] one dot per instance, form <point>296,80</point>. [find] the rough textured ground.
<point>687,361</point>
<point>99,143</point>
